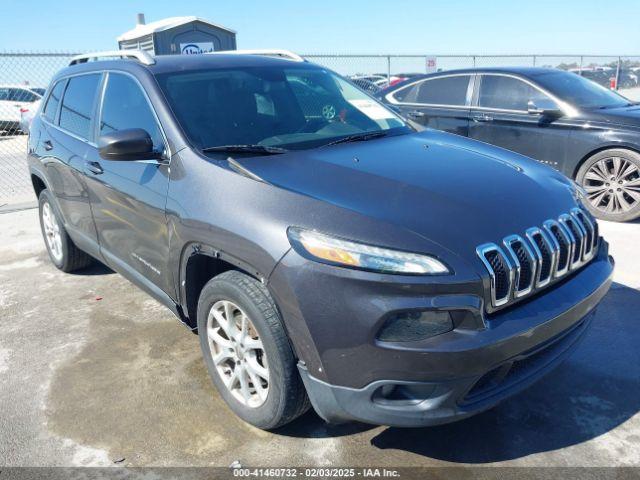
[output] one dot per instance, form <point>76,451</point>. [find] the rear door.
<point>500,117</point>
<point>68,118</point>
<point>441,102</point>
<point>128,197</point>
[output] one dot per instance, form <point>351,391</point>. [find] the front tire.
<point>612,181</point>
<point>63,253</point>
<point>247,351</point>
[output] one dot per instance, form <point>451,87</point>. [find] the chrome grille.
<point>521,265</point>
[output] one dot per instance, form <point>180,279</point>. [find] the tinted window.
<point>4,93</point>
<point>437,91</point>
<point>579,91</point>
<point>506,93</point>
<point>125,106</point>
<point>51,107</point>
<point>77,104</point>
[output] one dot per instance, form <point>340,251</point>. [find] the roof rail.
<point>267,52</point>
<point>140,55</point>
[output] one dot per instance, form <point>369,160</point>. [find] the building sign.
<point>432,64</point>
<point>195,48</point>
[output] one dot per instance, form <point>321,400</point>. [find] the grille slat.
<point>542,256</point>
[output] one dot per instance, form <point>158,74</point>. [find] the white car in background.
<point>18,104</point>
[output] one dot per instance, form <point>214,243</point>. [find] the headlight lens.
<point>336,251</point>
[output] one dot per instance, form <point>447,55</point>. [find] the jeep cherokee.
<point>326,253</point>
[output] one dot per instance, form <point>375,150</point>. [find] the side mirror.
<point>129,144</point>
<point>544,107</point>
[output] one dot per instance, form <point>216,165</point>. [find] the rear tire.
<point>252,345</point>
<point>63,253</point>
<point>612,181</point>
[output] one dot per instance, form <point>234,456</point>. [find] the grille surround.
<point>521,265</point>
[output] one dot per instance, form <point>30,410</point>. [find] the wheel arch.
<point>200,263</point>
<point>38,181</point>
<point>602,148</point>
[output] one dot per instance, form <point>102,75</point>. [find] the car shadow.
<point>310,425</point>
<point>96,268</point>
<point>593,392</point>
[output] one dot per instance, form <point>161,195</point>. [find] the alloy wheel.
<point>238,353</point>
<point>613,185</point>
<point>52,232</point>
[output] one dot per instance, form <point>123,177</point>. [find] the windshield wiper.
<point>249,148</point>
<point>360,137</point>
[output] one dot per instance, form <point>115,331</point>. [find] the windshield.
<point>292,108</point>
<point>39,91</point>
<point>580,92</point>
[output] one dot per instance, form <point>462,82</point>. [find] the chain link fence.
<point>23,76</point>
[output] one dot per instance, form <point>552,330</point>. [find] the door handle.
<point>47,145</point>
<point>482,117</point>
<point>94,167</point>
<point>417,114</point>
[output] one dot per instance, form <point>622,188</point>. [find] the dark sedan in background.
<point>584,130</point>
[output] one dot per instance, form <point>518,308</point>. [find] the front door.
<point>128,197</point>
<point>440,102</point>
<point>500,117</point>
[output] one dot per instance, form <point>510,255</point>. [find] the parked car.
<point>347,261</point>
<point>366,85</point>
<point>27,114</point>
<point>14,101</point>
<point>586,131</point>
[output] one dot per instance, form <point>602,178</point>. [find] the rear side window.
<point>51,107</point>
<point>125,106</point>
<point>506,93</point>
<point>77,104</point>
<point>437,91</point>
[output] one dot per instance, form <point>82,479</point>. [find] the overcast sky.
<point>332,26</point>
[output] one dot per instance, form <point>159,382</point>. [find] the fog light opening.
<point>398,394</point>
<point>414,325</point>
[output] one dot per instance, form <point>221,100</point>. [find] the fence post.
<point>534,60</point>
<point>618,73</point>
<point>388,70</point>
<point>474,61</point>
<point>581,63</point>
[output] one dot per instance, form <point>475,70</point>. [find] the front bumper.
<point>450,376</point>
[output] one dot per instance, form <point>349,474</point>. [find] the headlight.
<point>336,251</point>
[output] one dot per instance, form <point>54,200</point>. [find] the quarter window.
<point>507,93</point>
<point>437,91</point>
<point>125,106</point>
<point>77,104</point>
<point>51,107</point>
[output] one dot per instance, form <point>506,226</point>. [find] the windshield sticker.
<point>372,109</point>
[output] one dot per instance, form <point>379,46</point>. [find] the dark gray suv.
<point>325,252</point>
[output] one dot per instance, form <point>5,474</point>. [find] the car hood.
<point>453,191</point>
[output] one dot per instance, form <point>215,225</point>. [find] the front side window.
<point>125,106</point>
<point>294,108</point>
<point>77,104</point>
<point>579,91</point>
<point>507,93</point>
<point>53,101</point>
